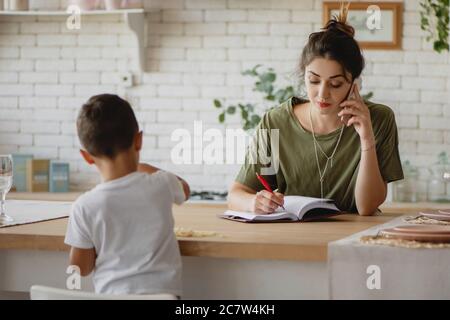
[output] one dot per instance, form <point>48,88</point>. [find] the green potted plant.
<point>435,20</point>
<point>266,84</point>
<point>273,95</point>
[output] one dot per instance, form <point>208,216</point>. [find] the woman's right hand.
<point>265,202</point>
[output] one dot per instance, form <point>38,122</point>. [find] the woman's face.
<point>326,85</point>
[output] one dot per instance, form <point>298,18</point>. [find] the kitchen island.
<point>234,261</point>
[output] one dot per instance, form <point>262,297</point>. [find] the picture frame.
<point>378,25</point>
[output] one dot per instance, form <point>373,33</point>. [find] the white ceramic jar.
<point>16,5</point>
<point>113,4</point>
<point>132,4</point>
<point>86,5</point>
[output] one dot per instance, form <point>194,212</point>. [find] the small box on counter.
<point>38,175</point>
<point>59,176</point>
<point>20,172</point>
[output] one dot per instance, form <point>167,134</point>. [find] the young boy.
<point>123,228</point>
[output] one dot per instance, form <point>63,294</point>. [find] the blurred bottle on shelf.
<point>439,180</point>
<point>406,190</point>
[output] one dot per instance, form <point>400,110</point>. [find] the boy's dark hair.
<point>336,42</point>
<point>106,125</point>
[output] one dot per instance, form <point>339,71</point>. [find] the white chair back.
<point>49,293</point>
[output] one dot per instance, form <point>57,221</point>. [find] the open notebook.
<point>298,208</point>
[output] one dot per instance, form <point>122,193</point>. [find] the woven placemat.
<point>410,244</point>
<point>424,220</point>
<point>188,233</point>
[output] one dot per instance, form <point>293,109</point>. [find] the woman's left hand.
<point>359,116</point>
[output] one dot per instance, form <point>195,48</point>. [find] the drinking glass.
<point>6,180</point>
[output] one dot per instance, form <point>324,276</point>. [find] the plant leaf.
<point>231,110</point>
<point>255,118</point>
<point>268,77</point>
<point>244,114</point>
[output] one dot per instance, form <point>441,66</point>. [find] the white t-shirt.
<point>129,222</point>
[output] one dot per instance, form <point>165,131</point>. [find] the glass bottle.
<point>406,190</point>
<point>439,181</point>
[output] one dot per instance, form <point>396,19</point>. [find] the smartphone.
<point>351,95</point>
<point>356,82</point>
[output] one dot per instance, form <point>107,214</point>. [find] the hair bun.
<point>339,22</point>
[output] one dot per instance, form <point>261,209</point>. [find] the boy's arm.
<point>186,189</point>
<point>84,259</point>
<point>144,167</point>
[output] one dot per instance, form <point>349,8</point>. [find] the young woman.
<point>332,145</point>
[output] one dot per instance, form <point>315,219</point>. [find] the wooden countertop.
<point>280,241</point>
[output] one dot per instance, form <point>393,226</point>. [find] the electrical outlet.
<point>126,79</point>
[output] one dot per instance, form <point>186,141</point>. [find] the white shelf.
<point>135,19</point>
<point>64,13</point>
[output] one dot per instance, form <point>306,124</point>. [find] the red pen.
<point>266,185</point>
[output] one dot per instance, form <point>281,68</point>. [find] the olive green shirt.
<point>297,172</point>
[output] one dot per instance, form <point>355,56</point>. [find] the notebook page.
<point>312,205</point>
<point>295,204</point>
<point>260,217</point>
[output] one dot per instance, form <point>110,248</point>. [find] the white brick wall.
<point>196,51</point>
